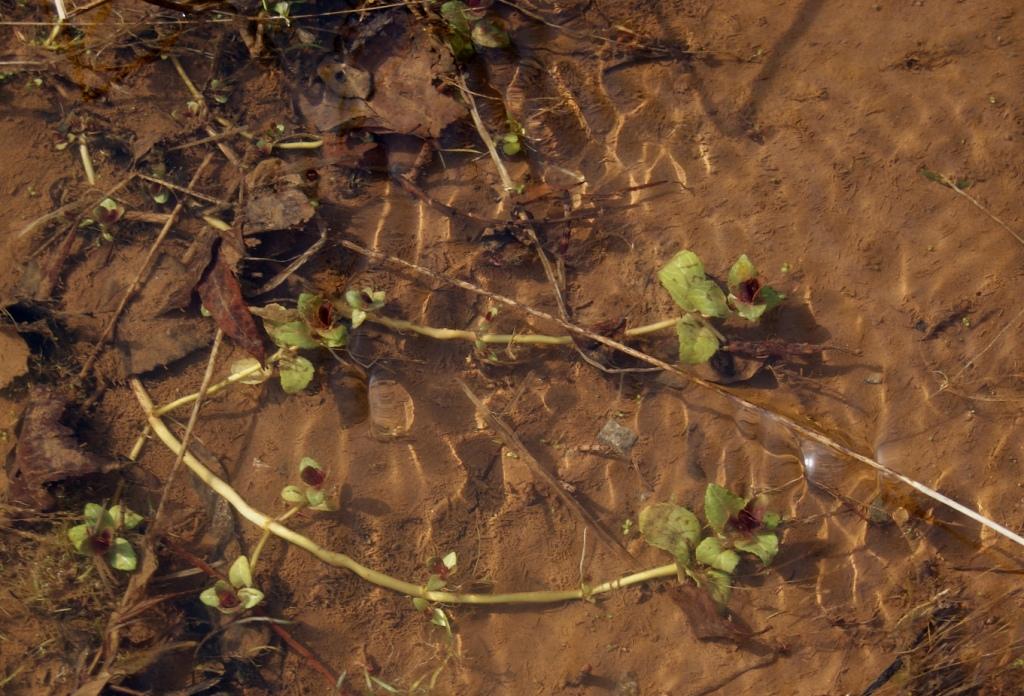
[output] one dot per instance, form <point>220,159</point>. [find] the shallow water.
<point>798,141</point>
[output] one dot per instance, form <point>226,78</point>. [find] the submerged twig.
<point>788,422</point>
<point>513,442</point>
<point>506,181</point>
<point>189,428</point>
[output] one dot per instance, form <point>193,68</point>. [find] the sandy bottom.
<point>795,132</point>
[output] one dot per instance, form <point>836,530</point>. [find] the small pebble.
<point>873,378</point>
<point>618,437</point>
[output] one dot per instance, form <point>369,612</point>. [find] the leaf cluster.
<point>235,595</point>
<point>310,494</point>
<point>313,324</point>
<point>702,299</point>
<point>441,569</point>
<point>468,28</point>
<point>737,525</point>
<point>98,535</point>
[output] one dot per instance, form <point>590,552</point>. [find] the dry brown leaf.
<point>46,452</point>
<point>222,297</point>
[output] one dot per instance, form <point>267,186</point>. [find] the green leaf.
<point>490,33</point>
<point>671,528</point>
<point>130,520</point>
<point>750,312</point>
<point>309,463</point>
<point>684,279</point>
<point>240,574</point>
<point>335,337</point>
<point>741,271</point>
<point>358,316</point>
<point>308,303</point>
<point>420,604</point>
<point>719,586</point>
<point>250,597</point>
<point>697,342</point>
<point>296,374</point>
<point>764,545</point>
<point>97,517</point>
<point>293,495</point>
<point>770,297</point>
<point>461,45</point>
<point>719,505</point>
<point>435,583</point>
<point>257,374</point>
<point>121,555</point>
<point>292,333</point>
<point>771,520</point>
<point>210,596</point>
<point>315,498</point>
<point>439,618</point>
<point>450,560</point>
<point>510,144</point>
<point>79,536</point>
<point>711,552</point>
<point>455,14</point>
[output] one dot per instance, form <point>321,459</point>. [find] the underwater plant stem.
<point>500,339</point>
<point>266,535</point>
<point>193,418</point>
<point>223,384</point>
<point>189,398</point>
<point>340,560</point>
<point>83,152</point>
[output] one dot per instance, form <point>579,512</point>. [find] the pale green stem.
<point>266,535</point>
<point>473,336</point>
<point>340,560</point>
<point>300,145</point>
<point>213,389</point>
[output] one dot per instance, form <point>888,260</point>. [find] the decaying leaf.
<point>46,452</point>
<point>276,200</point>
<point>222,297</point>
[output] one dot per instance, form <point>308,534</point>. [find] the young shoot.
<point>310,494</point>
<point>235,595</point>
<point>313,324</point>
<point>737,525</point>
<point>98,535</point>
<point>362,302</point>
<point>471,27</point>
<point>701,300</point>
<point>440,570</point>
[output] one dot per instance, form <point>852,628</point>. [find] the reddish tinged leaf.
<point>46,452</point>
<point>222,297</point>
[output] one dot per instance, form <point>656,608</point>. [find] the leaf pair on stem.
<point>737,525</point>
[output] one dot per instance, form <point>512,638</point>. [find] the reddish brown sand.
<point>797,131</point>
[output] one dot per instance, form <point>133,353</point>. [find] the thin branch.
<point>192,420</point>
<point>513,442</point>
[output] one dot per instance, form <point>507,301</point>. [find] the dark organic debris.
<point>46,453</point>
<point>390,85</point>
<point>222,297</point>
<point>276,198</point>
